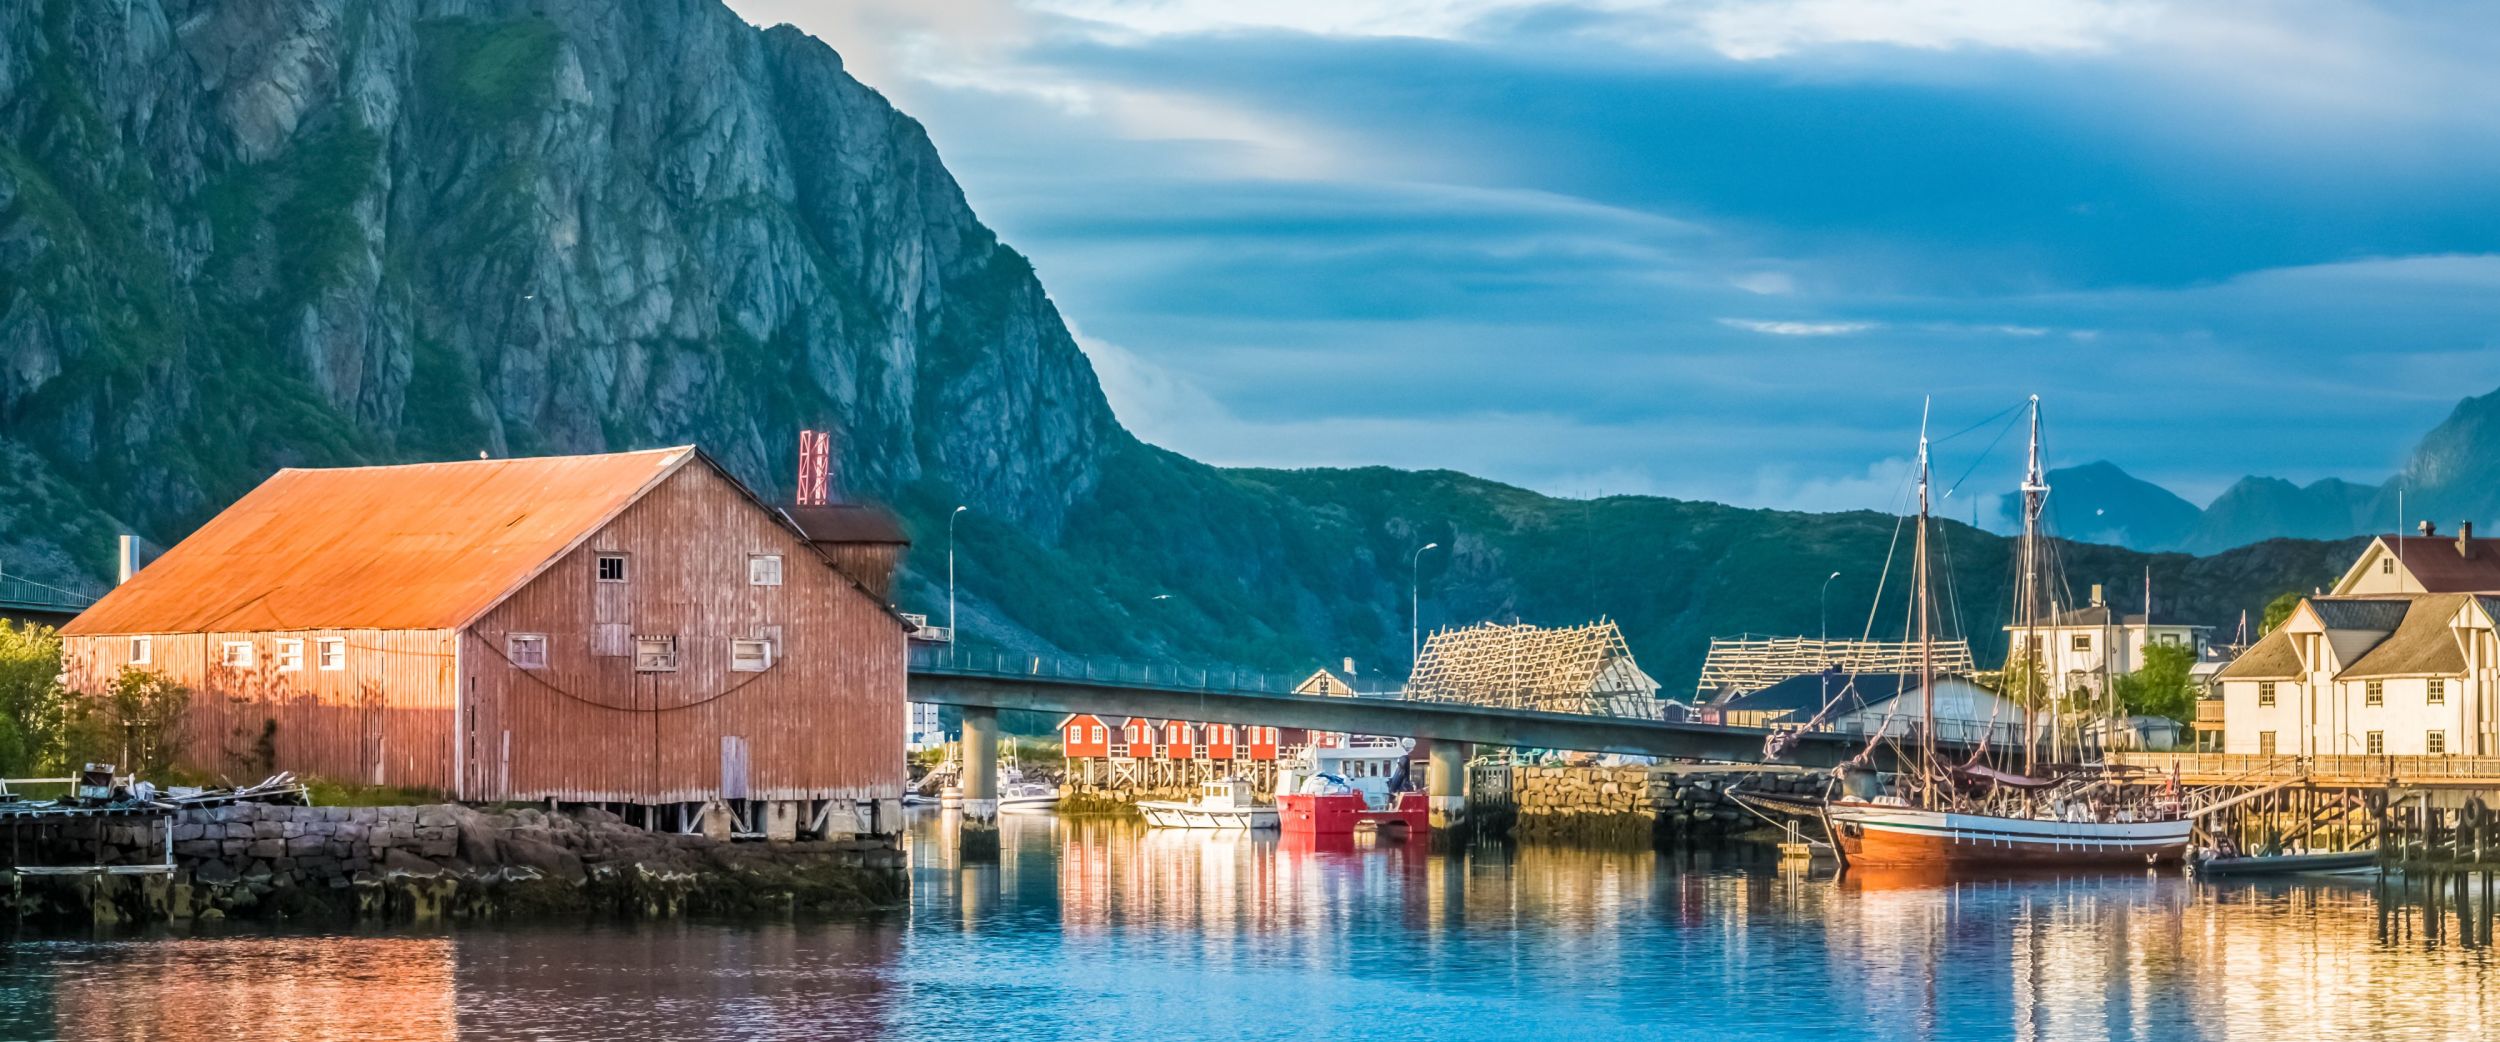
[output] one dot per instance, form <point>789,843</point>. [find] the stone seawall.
<point>1656,804</point>
<point>269,861</point>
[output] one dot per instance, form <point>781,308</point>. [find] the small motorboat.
<point>1019,796</point>
<point>1224,803</point>
<point>2330,862</point>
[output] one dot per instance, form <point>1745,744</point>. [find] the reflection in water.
<point>1090,929</point>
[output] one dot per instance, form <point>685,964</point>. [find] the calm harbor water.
<point>1090,929</point>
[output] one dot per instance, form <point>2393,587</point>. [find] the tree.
<point>2277,610</point>
<point>32,701</point>
<point>2162,687</point>
<point>134,724</point>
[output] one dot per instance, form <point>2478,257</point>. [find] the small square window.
<point>290,655</point>
<point>2374,693</point>
<point>2387,566</point>
<point>1098,734</point>
<point>527,650</point>
<point>238,654</point>
<point>2436,691</point>
<point>750,656</point>
<point>611,568</point>
<point>2376,745</point>
<point>142,650</point>
<point>764,570</point>
<point>2435,743</point>
<point>2082,642</point>
<point>655,654</point>
<point>332,652</point>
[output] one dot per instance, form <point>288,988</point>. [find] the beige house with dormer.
<point>2383,675</point>
<point>2083,646</point>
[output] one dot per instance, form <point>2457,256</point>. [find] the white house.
<point>1873,703</point>
<point>2425,563</point>
<point>2385,675</point>
<point>2081,646</point>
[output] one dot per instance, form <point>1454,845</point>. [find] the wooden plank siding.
<point>819,724</point>
<point>386,717</point>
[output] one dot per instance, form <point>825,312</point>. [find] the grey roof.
<point>2421,644</point>
<point>2382,614</point>
<point>1811,692</point>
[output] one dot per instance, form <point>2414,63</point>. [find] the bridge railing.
<point>997,662</point>
<point>29,595</point>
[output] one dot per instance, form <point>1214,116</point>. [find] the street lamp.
<point>1415,604</point>
<point>1824,609</point>
<point>951,634</point>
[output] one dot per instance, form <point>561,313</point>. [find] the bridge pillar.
<point>1445,780</point>
<point>980,779</point>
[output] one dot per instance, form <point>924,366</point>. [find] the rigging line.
<point>2010,424</point>
<point>2016,407</point>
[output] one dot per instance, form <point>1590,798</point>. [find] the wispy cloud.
<point>1794,328</point>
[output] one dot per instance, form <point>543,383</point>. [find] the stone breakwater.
<point>435,862</point>
<point>1656,804</point>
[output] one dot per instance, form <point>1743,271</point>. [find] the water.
<point>1090,930</point>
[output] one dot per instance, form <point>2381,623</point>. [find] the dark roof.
<point>2438,567</point>
<point>848,523</point>
<point>2099,615</point>
<point>2378,614</point>
<point>1806,694</point>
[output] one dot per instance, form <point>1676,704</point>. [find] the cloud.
<point>1786,328</point>
<point>1761,29</point>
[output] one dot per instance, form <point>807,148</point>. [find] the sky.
<point>1724,250</point>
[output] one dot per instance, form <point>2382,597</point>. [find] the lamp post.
<point>1415,605</point>
<point>1824,610</point>
<point>951,634</point>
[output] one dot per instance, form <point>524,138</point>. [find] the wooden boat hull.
<point>1882,836</point>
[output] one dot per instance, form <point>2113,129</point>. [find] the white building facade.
<point>2385,675</point>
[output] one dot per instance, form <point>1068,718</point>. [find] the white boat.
<point>1224,803</point>
<point>1370,765</point>
<point>1020,796</point>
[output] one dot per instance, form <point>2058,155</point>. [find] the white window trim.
<point>670,666</point>
<point>289,654</point>
<point>142,650</point>
<point>757,561</point>
<point>512,643</point>
<point>227,656</point>
<point>765,645</point>
<point>321,652</point>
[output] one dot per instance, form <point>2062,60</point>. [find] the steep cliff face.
<point>241,236</point>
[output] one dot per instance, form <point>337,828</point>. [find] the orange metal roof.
<point>425,546</point>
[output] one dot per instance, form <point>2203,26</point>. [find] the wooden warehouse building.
<point>633,628</point>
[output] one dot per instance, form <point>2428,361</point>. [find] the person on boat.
<point>1398,777</point>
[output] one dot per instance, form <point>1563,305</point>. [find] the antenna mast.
<point>1926,636</point>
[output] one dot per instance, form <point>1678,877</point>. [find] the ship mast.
<point>2035,495</point>
<point>1921,596</point>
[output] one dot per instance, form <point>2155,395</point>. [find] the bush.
<point>33,704</point>
<point>136,724</point>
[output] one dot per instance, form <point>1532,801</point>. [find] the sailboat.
<point>1943,815</point>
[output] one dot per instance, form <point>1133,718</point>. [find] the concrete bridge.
<point>983,682</point>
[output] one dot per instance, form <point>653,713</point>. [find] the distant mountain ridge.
<point>2453,475</point>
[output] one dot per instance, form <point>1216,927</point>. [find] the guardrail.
<point>26,594</point>
<point>991,662</point>
<point>2260,767</point>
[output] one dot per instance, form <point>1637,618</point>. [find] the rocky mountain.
<point>241,236</point>
<point>2453,475</point>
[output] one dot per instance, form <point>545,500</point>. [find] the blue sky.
<point>1721,250</point>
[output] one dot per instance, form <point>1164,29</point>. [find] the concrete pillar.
<point>1446,781</point>
<point>980,780</point>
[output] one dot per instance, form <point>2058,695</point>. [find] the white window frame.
<point>2435,743</point>
<point>230,658</point>
<point>763,569</point>
<point>2374,743</point>
<point>659,659</point>
<point>2435,691</point>
<point>2265,692</point>
<point>1097,734</point>
<point>2373,693</point>
<point>599,568</point>
<point>2079,642</point>
<point>743,651</point>
<point>513,643</point>
<point>142,650</point>
<point>288,656</point>
<point>330,654</point>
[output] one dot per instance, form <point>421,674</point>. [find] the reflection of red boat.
<point>1340,814</point>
